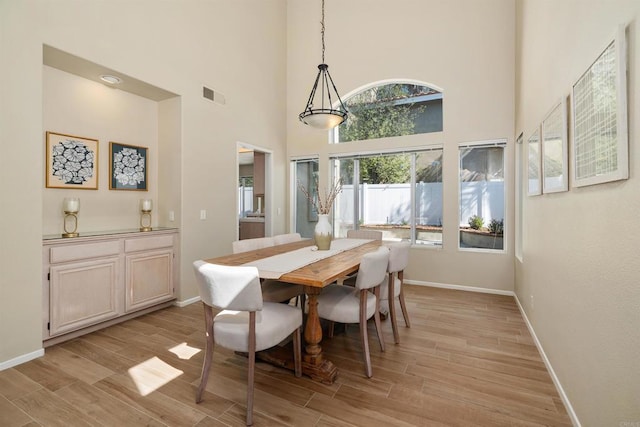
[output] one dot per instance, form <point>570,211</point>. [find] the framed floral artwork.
<point>127,167</point>
<point>72,162</point>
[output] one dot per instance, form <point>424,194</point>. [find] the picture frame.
<point>600,140</point>
<point>534,187</point>
<point>72,161</point>
<point>555,150</point>
<point>128,167</point>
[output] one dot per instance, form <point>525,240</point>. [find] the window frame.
<point>412,183</point>
<point>293,188</point>
<point>335,132</point>
<point>501,143</point>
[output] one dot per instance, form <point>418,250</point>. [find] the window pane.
<point>385,195</point>
<point>245,196</point>
<point>386,199</point>
<point>306,172</point>
<point>344,211</point>
<point>428,198</point>
<point>394,109</point>
<point>482,197</point>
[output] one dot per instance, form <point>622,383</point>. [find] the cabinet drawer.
<point>147,243</point>
<point>79,252</point>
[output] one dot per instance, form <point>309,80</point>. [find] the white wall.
<point>578,281</point>
<point>464,47</point>
<point>236,47</point>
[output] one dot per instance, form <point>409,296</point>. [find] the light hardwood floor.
<point>468,359</point>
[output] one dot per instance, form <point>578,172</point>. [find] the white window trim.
<point>498,142</point>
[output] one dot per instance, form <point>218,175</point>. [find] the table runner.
<point>275,266</point>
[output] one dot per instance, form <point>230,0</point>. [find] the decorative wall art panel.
<point>127,167</point>
<point>72,162</point>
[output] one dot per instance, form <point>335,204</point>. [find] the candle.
<point>71,205</point>
<point>145,205</point>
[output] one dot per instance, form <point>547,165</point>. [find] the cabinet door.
<point>82,294</point>
<point>149,279</point>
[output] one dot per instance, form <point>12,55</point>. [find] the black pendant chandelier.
<point>319,112</point>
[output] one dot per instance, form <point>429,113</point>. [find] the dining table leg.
<point>314,363</point>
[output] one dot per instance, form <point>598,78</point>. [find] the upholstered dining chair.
<point>272,290</point>
<point>345,304</point>
<point>364,234</point>
<point>246,324</point>
<point>281,239</point>
<point>252,244</point>
<point>359,234</point>
<point>391,287</point>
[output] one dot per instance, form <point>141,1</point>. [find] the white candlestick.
<point>145,205</point>
<point>71,205</point>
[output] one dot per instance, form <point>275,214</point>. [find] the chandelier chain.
<point>322,31</point>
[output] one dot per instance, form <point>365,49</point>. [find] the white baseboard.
<point>21,359</point>
<point>459,287</point>
<point>187,302</point>
<point>565,399</point>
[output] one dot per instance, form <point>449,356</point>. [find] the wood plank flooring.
<point>468,359</point>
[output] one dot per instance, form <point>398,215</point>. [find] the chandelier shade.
<point>325,116</point>
<point>320,112</point>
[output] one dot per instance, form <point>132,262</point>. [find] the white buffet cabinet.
<point>99,279</point>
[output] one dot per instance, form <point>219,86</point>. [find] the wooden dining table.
<point>313,277</point>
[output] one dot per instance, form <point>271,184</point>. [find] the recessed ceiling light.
<point>112,80</point>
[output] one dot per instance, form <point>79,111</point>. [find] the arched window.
<point>387,109</point>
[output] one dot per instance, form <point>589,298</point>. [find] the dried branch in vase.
<point>324,201</point>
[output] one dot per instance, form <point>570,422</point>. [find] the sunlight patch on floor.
<point>184,351</point>
<point>152,374</point>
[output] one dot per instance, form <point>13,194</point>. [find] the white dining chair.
<point>359,234</point>
<point>246,245</point>
<point>272,290</point>
<point>247,324</point>
<point>391,287</point>
<point>346,304</point>
<point>281,239</point>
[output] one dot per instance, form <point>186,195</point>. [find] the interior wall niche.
<point>75,103</point>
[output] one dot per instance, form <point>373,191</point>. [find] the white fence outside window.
<point>390,203</point>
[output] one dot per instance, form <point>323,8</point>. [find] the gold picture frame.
<point>72,161</point>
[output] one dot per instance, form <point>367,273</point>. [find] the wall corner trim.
<point>21,359</point>
<point>460,287</point>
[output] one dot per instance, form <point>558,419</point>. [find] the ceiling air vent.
<point>212,95</point>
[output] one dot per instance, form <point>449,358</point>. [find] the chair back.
<point>364,234</point>
<point>373,268</point>
<point>281,239</point>
<point>251,244</point>
<point>398,256</point>
<point>229,288</point>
